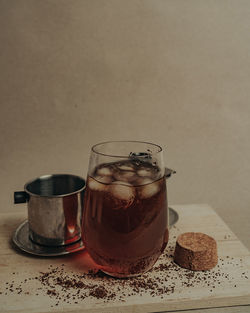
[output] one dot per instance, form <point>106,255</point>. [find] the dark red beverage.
<point>125,217</point>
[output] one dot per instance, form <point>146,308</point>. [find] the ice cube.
<point>104,179</point>
<point>149,190</point>
<point>126,168</point>
<point>143,181</point>
<point>96,185</point>
<point>125,176</point>
<point>143,172</point>
<point>104,171</point>
<point>122,192</point>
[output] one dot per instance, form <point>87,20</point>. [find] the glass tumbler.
<point>125,226</point>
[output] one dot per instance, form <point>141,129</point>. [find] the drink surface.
<point>125,217</point>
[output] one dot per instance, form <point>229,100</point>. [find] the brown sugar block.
<point>196,251</point>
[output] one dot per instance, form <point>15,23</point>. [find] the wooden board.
<point>21,289</point>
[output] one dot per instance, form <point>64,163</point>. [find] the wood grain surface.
<point>20,291</point>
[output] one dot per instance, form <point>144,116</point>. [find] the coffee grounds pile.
<point>63,286</point>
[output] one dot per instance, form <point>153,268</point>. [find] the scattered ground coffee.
<point>64,286</point>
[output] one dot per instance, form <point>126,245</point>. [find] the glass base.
<point>120,275</point>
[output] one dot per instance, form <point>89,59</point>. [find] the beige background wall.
<point>73,73</point>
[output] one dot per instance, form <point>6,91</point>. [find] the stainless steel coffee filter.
<point>55,204</point>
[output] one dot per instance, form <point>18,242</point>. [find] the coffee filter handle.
<point>20,197</point>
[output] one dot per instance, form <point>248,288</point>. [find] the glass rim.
<point>93,149</point>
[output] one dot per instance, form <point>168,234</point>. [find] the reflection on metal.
<point>23,242</point>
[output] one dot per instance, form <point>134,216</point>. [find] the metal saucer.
<point>22,241</point>
<point>173,217</point>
